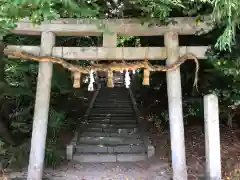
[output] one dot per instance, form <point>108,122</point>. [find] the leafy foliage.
<point>37,11</point>
<point>225,13</point>
<point>227,67</point>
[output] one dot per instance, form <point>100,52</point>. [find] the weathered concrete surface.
<point>40,119</point>
<point>112,53</point>
<point>95,158</point>
<point>212,137</point>
<point>129,27</point>
<point>174,91</point>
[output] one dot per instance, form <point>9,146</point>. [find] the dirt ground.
<point>157,167</point>
<point>195,150</point>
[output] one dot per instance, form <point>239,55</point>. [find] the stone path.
<point>110,131</point>
<point>106,171</point>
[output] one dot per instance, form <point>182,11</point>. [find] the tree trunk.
<point>2,66</point>
<point>4,132</point>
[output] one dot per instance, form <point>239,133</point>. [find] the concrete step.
<point>112,121</point>
<point>112,102</point>
<point>112,106</point>
<point>112,98</point>
<point>86,148</point>
<point>107,157</point>
<point>101,125</point>
<point>113,109</point>
<point>112,115</point>
<point>113,95</point>
<point>105,134</point>
<point>113,130</point>
<point>110,141</point>
<point>116,106</point>
<point>126,101</point>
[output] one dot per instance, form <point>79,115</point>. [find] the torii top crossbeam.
<point>128,27</point>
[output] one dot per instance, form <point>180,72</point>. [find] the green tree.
<point>225,14</point>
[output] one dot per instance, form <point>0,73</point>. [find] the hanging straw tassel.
<point>110,79</point>
<point>146,74</point>
<point>127,79</point>
<point>76,79</point>
<point>90,85</point>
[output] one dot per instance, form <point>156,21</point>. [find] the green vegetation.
<point>225,14</point>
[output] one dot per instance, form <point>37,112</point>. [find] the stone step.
<point>107,157</point>
<point>111,141</point>
<point>114,93</point>
<point>105,106</point>
<point>112,121</point>
<point>102,95</point>
<point>112,96</point>
<point>113,100</point>
<point>105,103</point>
<point>112,106</point>
<point>111,118</point>
<point>111,113</point>
<point>84,148</point>
<point>108,115</point>
<point>105,134</point>
<point>86,125</point>
<point>102,111</point>
<point>113,130</point>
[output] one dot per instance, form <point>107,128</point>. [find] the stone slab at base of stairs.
<point>104,158</point>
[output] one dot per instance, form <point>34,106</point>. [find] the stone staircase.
<point>111,131</point>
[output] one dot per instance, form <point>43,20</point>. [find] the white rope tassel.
<point>127,79</point>
<point>90,85</point>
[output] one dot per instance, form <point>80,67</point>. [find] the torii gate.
<point>78,27</point>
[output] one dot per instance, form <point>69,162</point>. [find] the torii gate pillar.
<point>174,91</point>
<point>40,119</point>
